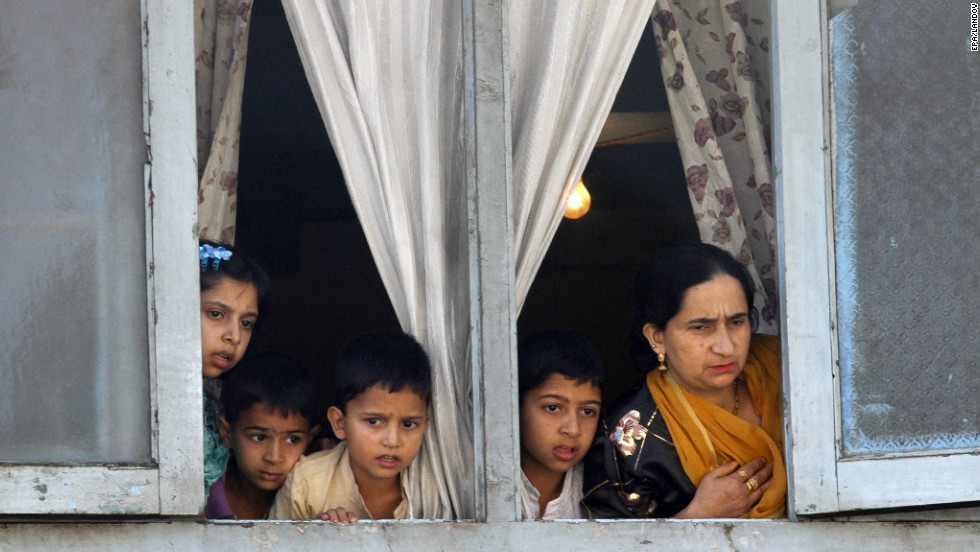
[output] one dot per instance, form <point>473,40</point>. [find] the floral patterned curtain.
<point>714,55</point>
<point>221,43</point>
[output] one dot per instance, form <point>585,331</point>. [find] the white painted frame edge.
<point>79,490</point>
<point>802,200</point>
<point>175,485</point>
<point>908,481</point>
<point>493,303</point>
<point>174,278</point>
<point>820,480</point>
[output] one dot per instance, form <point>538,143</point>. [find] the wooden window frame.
<point>821,480</point>
<point>174,485</point>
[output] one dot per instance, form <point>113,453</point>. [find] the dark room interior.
<point>296,218</point>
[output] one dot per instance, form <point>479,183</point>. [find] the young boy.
<point>382,386</point>
<point>560,382</point>
<point>268,405</point>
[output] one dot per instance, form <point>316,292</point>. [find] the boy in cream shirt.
<point>382,389</point>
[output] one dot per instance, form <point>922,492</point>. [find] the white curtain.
<point>388,78</point>
<point>567,60</point>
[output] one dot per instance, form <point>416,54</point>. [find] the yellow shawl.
<point>707,436</point>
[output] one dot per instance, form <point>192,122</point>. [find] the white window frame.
<point>821,480</point>
<point>492,266</point>
<point>175,484</point>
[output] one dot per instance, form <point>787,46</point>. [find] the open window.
<point>878,229</point>
<point>150,332</point>
<point>420,183</point>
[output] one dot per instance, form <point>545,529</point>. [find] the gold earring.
<point>663,367</point>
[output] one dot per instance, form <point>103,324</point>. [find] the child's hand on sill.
<point>337,514</point>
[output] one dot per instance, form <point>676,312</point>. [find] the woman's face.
<point>707,341</point>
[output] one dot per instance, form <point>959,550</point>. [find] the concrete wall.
<point>187,536</point>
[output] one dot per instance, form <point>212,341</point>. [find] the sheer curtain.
<point>567,60</point>
<point>388,79</point>
<point>714,55</point>
<point>221,43</point>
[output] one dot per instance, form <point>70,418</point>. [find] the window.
<point>101,405</point>
<point>162,474</point>
<point>873,425</point>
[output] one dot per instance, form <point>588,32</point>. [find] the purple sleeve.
<point>217,506</point>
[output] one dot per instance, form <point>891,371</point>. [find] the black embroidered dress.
<point>632,469</point>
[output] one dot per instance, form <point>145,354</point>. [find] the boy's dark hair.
<point>557,352</point>
<point>241,268</point>
<point>393,360</point>
<point>276,380</point>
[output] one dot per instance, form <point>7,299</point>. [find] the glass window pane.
<point>907,216</point>
<point>74,378</point>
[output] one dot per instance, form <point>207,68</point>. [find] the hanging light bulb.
<point>579,202</point>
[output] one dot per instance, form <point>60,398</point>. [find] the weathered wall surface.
<point>189,536</point>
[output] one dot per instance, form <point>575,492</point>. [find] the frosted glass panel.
<point>74,378</point>
<point>907,208</point>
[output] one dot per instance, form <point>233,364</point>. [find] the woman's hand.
<point>338,514</point>
<point>724,492</point>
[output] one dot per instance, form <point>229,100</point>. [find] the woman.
<point>702,438</point>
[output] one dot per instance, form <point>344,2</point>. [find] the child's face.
<point>558,422</point>
<point>266,444</point>
<point>228,314</point>
<point>383,431</point>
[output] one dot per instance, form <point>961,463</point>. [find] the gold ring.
<point>752,484</point>
<point>743,474</point>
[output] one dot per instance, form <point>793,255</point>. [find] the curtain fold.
<point>715,57</point>
<point>388,80</point>
<point>221,44</point>
<point>567,61</point>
